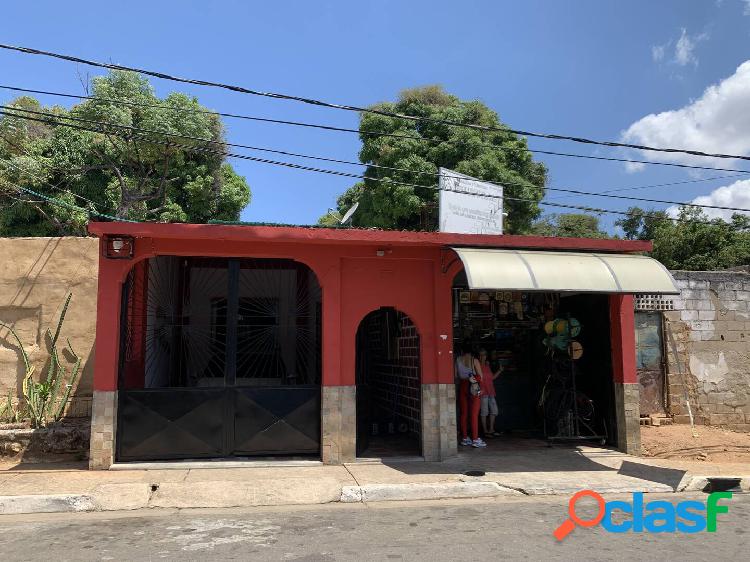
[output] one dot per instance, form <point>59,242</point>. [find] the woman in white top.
<point>468,371</point>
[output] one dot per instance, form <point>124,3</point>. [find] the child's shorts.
<point>488,406</point>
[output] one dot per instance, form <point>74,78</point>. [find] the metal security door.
<point>219,375</point>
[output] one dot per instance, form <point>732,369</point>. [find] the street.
<point>439,530</point>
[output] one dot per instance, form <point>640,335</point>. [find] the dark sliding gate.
<point>219,358</point>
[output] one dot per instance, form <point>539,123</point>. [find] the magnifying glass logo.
<point>569,524</point>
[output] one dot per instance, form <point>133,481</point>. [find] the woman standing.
<point>468,372</point>
<point>488,409</point>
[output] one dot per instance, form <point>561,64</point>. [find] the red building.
<point>219,341</point>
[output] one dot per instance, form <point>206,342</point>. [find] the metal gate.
<point>650,362</point>
<point>219,358</point>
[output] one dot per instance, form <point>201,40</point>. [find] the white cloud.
<point>735,195</point>
<point>683,50</point>
<point>747,7</point>
<point>657,52</point>
<point>718,121</point>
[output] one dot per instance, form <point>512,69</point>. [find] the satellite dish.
<point>349,213</point>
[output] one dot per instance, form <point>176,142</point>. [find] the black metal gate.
<point>219,358</point>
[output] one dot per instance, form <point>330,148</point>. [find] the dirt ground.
<point>712,444</point>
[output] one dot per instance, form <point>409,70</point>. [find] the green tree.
<point>573,225</point>
<point>112,172</point>
<point>694,242</point>
<point>499,157</point>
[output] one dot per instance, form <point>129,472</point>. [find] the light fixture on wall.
<point>119,247</point>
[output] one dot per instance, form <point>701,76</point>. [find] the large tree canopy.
<point>693,242</point>
<point>499,157</point>
<point>575,225</point>
<point>113,172</point>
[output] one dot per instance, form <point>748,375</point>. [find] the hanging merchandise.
<point>560,332</point>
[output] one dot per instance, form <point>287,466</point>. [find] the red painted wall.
<point>414,274</point>
<point>622,333</point>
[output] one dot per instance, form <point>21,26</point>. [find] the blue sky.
<point>589,68</point>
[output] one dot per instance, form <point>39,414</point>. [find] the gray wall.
<point>711,328</point>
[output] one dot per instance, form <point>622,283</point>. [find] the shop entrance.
<point>388,379</point>
<point>542,392</point>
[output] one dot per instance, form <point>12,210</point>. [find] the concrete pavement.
<point>532,469</point>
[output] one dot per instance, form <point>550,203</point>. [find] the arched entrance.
<point>220,357</point>
<point>388,378</point>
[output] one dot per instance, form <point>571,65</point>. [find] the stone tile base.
<point>627,415</point>
<point>338,424</point>
<point>439,421</point>
<point>103,428</point>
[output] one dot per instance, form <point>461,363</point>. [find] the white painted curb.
<point>53,503</point>
<point>436,491</point>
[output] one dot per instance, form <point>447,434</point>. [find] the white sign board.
<point>465,207</point>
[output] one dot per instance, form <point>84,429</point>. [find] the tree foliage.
<point>694,242</point>
<point>576,225</point>
<point>499,157</point>
<point>113,172</point>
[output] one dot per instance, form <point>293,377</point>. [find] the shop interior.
<point>555,356</point>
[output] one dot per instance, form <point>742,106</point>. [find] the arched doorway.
<point>388,378</point>
<point>220,357</point>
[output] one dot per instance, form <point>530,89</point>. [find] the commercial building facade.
<point>218,341</point>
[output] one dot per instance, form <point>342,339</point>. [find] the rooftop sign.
<point>465,207</point>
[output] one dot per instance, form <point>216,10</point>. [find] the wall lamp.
<point>119,247</point>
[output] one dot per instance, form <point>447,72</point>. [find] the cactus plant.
<point>43,399</point>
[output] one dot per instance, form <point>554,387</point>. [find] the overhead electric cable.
<point>365,132</point>
<point>362,177</point>
<point>67,205</point>
<point>405,170</point>
<point>357,109</point>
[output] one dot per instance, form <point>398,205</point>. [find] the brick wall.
<point>710,325</point>
<point>394,372</point>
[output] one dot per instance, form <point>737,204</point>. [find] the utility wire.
<point>357,109</point>
<point>362,177</point>
<point>405,170</point>
<point>67,205</point>
<point>19,169</point>
<point>365,132</point>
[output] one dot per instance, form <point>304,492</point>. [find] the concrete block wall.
<point>35,277</point>
<point>627,414</point>
<point>710,365</point>
<point>103,430</point>
<point>439,422</point>
<point>338,424</point>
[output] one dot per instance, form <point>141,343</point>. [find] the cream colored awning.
<point>526,270</point>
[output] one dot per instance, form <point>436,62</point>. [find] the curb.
<point>437,491</point>
<point>54,503</point>
<point>698,483</point>
<point>131,496</point>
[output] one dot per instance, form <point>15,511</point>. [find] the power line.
<point>376,133</point>
<point>67,205</point>
<point>19,169</point>
<point>381,180</point>
<point>357,109</point>
<point>294,154</point>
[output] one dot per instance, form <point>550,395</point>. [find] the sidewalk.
<point>528,468</point>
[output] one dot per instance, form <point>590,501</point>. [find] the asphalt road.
<point>517,529</point>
